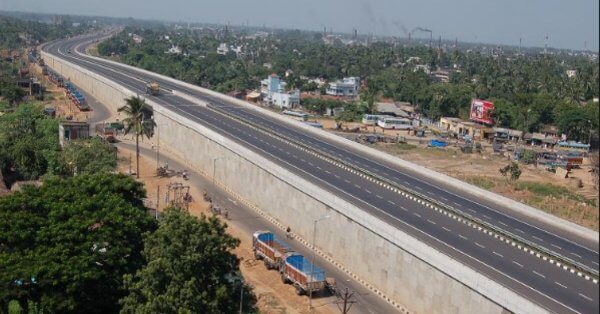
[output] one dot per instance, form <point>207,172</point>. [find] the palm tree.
<point>136,121</point>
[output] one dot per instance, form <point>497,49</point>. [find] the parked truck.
<point>304,275</point>
<point>152,88</point>
<point>293,267</point>
<point>269,248</point>
<point>106,132</point>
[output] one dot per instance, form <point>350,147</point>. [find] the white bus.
<point>371,119</point>
<point>395,123</point>
<point>296,115</point>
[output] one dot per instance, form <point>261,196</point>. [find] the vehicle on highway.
<point>395,123</point>
<point>301,116</point>
<point>152,88</point>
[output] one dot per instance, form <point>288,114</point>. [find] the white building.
<point>571,73</point>
<point>174,50</point>
<point>222,49</point>
<point>273,93</point>
<point>136,38</point>
<point>422,67</point>
<point>347,87</point>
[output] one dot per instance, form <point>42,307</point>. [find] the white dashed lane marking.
<point>479,245</point>
<point>520,265</point>
<point>446,229</point>
<point>416,214</point>
<point>560,284</point>
<point>431,222</point>
<point>496,253</point>
<point>585,297</point>
<point>541,275</point>
<point>462,237</point>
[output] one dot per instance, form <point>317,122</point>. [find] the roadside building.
<point>475,131</point>
<point>274,92</point>
<point>72,130</point>
<point>573,146</point>
<point>459,128</point>
<point>508,135</point>
<point>449,124</point>
<point>347,87</point>
<point>540,139</point>
<point>392,109</point>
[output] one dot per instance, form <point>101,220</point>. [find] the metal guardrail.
<point>515,239</point>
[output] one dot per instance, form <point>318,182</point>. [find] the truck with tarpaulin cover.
<point>304,275</point>
<point>269,248</point>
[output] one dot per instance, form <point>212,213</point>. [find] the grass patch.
<point>546,190</point>
<point>405,146</point>
<point>482,182</point>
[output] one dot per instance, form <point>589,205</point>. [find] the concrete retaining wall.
<point>387,260</point>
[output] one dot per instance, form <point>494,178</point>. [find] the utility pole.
<point>157,200</point>
<point>157,144</point>
<point>312,266</point>
<point>345,301</point>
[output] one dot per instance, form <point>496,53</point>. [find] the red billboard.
<point>482,111</point>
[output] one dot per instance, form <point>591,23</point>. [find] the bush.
<point>513,170</point>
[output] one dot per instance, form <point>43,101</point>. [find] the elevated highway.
<point>507,246</point>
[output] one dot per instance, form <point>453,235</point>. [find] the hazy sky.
<point>568,23</point>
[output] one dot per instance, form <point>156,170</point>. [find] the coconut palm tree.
<point>137,122</point>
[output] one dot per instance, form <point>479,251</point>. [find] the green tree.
<point>190,269</point>
<point>137,122</point>
<point>513,170</point>
<point>28,142</point>
<point>66,245</point>
<point>88,157</point>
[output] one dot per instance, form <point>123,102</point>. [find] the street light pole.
<point>157,143</point>
<point>312,264</point>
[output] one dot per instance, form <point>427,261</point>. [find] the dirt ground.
<point>273,296</point>
<point>578,201</point>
